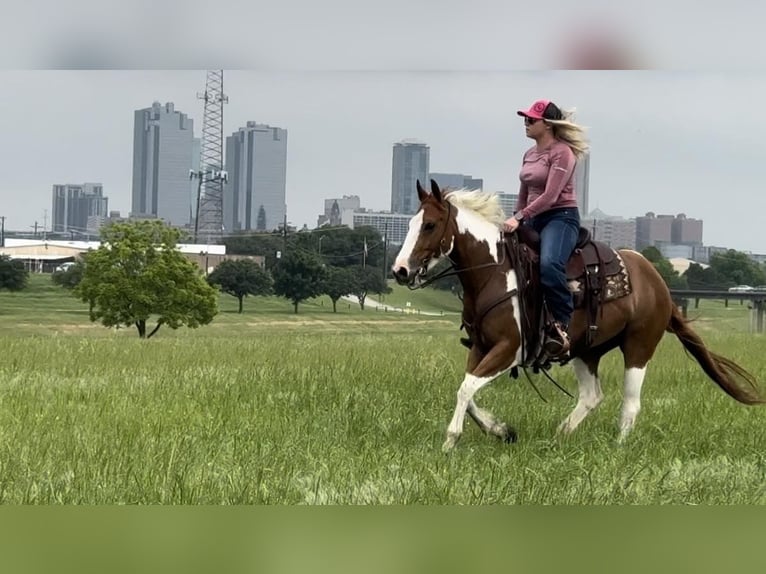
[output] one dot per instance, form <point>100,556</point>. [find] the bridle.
<point>451,270</point>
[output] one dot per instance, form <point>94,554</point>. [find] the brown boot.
<point>557,342</point>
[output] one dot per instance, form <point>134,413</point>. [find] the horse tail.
<point>724,372</point>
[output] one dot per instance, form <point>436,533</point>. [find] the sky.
<point>662,141</point>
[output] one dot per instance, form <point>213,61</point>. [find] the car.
<point>741,289</point>
<point>65,266</point>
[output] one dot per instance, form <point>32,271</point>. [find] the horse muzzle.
<point>405,276</point>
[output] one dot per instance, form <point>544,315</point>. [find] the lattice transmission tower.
<point>208,224</point>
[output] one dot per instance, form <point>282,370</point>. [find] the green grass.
<point>428,300</point>
<point>350,408</point>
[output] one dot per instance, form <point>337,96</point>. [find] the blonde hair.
<point>570,133</point>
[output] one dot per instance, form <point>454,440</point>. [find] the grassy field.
<point>269,407</point>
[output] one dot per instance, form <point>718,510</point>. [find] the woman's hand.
<point>511,224</point>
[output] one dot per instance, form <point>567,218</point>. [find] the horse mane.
<point>483,203</point>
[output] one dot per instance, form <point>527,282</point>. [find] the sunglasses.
<point>529,121</point>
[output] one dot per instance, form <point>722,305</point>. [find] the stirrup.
<point>557,347</point>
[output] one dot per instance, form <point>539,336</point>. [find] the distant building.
<point>163,154</point>
<point>617,232</point>
<point>582,184</point>
<point>254,198</point>
<point>394,226</point>
<point>508,202</point>
<point>686,231</point>
<point>652,229</point>
<point>454,181</point>
<point>410,163</point>
<point>333,208</point>
<point>78,207</point>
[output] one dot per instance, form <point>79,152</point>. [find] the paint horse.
<point>466,227</point>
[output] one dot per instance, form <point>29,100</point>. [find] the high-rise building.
<point>256,162</point>
<point>455,181</point>
<point>74,205</point>
<point>686,231</point>
<point>410,164</point>
<point>163,155</point>
<point>652,229</point>
<point>582,180</point>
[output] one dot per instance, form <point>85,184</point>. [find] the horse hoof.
<point>510,436</point>
<point>449,444</point>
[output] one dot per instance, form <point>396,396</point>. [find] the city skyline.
<point>344,124</point>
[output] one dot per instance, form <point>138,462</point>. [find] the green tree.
<point>369,280</point>
<point>698,277</point>
<point>339,281</point>
<point>13,275</point>
<point>299,276</point>
<point>70,277</point>
<point>665,268</point>
<point>240,278</point>
<point>138,273</point>
<point>737,268</point>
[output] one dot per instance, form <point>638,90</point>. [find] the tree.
<point>70,277</point>
<point>369,280</point>
<point>13,275</point>
<point>698,277</point>
<point>665,268</point>
<point>240,278</point>
<point>137,273</point>
<point>298,276</point>
<point>340,281</point>
<point>737,268</point>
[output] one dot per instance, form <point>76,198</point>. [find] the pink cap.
<point>535,110</point>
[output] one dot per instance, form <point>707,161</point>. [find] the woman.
<point>547,201</point>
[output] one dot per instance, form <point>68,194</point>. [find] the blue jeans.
<point>558,229</point>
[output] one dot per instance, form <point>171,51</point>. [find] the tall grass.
<point>265,408</point>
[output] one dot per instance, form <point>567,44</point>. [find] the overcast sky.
<point>667,142</point>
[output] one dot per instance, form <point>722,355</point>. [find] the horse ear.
<point>437,193</point>
<point>422,194</point>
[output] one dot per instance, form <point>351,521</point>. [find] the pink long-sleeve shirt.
<point>547,179</point>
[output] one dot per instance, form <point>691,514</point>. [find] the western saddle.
<point>595,273</point>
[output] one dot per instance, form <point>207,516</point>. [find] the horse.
<point>465,228</point>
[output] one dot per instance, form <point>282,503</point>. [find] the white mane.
<point>483,203</point>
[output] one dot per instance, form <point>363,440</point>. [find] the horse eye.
<point>429,226</point>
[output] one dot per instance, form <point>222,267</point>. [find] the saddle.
<point>595,273</point>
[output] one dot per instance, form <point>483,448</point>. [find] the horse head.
<point>430,236</point>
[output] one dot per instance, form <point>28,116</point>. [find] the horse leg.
<point>637,350</point>
<point>489,423</point>
<point>498,361</point>
<point>590,394</point>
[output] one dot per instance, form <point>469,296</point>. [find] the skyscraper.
<point>73,204</point>
<point>163,150</point>
<point>410,163</point>
<point>256,162</point>
<point>582,179</point>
